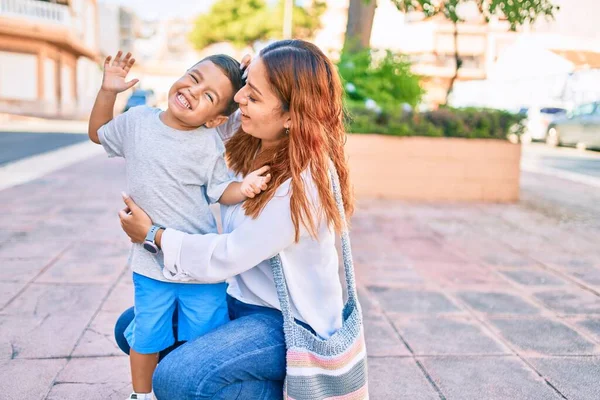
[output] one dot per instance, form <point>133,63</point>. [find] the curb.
<point>30,168</point>
<point>570,176</point>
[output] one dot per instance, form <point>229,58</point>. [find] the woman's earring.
<point>287,131</point>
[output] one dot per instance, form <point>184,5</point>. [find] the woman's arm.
<point>212,257</point>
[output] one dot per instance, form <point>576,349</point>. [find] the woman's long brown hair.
<point>308,86</point>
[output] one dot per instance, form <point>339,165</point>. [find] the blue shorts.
<point>200,309</point>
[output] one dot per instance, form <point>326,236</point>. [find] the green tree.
<point>380,75</point>
<point>245,22</point>
<point>516,12</point>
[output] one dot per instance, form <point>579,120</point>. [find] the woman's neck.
<point>268,144</point>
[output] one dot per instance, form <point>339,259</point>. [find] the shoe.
<point>140,396</point>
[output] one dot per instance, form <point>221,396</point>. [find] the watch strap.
<point>152,233</point>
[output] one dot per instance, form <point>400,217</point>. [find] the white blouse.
<point>241,257</point>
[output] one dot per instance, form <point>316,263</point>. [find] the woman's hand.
<point>134,221</point>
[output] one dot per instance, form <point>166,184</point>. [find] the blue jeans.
<point>243,359</point>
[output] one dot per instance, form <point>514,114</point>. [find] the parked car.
<point>578,128</point>
<point>140,97</point>
<point>538,120</point>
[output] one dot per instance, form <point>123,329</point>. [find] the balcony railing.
<point>36,10</point>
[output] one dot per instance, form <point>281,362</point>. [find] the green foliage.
<point>446,122</point>
<point>244,22</point>
<point>516,12</point>
<point>383,76</point>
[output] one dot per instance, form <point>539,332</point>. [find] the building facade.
<point>48,57</point>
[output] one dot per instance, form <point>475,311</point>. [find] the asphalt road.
<point>563,159</point>
<point>15,146</point>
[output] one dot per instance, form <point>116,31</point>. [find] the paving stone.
<point>12,234</point>
<point>592,325</point>
<point>428,249</point>
<point>7,351</point>
<point>384,277</point>
<point>42,337</point>
<point>489,378</point>
<point>27,379</point>
<point>19,270</point>
<point>570,301</point>
<point>101,270</point>
<point>412,302</point>
<point>543,336</point>
<point>497,303</point>
<point>565,260</point>
<point>398,378</point>
<point>442,335</point>
<point>99,391</point>
<point>99,339</point>
<point>8,290</point>
<point>120,298</point>
<point>505,258</point>
<point>42,300</point>
<point>369,306</point>
<point>382,339</point>
<point>574,377</point>
<point>28,249</point>
<point>534,278</point>
<point>96,370</point>
<point>80,251</point>
<point>589,275</point>
<point>457,274</point>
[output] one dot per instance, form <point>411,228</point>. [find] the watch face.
<point>151,247</point>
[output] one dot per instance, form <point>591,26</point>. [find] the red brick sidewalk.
<point>461,301</point>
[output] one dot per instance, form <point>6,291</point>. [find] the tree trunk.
<point>360,24</point>
<point>457,63</point>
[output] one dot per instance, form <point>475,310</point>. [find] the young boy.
<point>175,169</point>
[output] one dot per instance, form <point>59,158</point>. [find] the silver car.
<point>580,128</point>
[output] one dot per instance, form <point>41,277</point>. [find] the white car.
<point>538,120</point>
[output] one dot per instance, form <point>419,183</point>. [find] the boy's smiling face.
<point>199,98</point>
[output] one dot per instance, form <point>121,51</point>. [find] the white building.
<point>48,57</point>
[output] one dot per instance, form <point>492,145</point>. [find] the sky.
<point>161,9</point>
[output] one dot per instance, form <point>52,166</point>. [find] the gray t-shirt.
<point>172,175</point>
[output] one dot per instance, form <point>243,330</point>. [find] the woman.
<point>291,121</point>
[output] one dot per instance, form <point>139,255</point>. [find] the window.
<point>584,109</point>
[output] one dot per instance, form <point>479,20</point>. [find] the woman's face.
<point>262,116</point>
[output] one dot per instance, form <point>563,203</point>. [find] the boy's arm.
<point>252,185</point>
<point>113,83</point>
<point>102,113</point>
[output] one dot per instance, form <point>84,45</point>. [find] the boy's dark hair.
<point>231,68</point>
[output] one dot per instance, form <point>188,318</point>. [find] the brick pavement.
<point>461,301</point>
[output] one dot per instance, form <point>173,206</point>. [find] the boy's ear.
<point>216,121</point>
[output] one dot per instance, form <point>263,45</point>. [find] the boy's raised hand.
<point>116,72</point>
<point>254,182</point>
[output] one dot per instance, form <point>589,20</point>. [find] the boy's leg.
<point>123,322</point>
<point>201,308</point>
<point>142,369</point>
<point>151,329</point>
